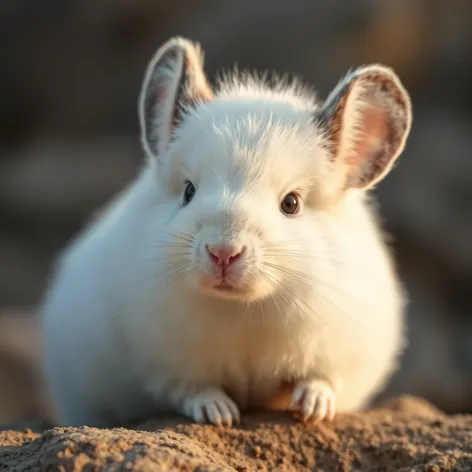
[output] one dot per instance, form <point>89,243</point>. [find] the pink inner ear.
<point>374,129</point>
<point>161,93</point>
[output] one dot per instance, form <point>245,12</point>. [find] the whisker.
<point>282,315</point>
<point>164,272</point>
<point>283,243</point>
<point>313,278</point>
<point>301,255</point>
<point>296,276</point>
<point>294,298</point>
<point>165,244</point>
<point>335,261</point>
<point>171,279</point>
<point>177,246</point>
<point>179,276</point>
<point>278,307</point>
<point>186,236</point>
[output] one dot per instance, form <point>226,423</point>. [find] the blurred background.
<point>69,140</point>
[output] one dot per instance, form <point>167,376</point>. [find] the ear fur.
<point>174,81</point>
<point>368,118</point>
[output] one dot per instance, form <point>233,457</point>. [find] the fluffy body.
<point>132,322</point>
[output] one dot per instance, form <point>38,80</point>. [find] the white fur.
<point>132,324</point>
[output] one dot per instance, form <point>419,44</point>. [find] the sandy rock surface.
<point>69,141</point>
<point>404,434</point>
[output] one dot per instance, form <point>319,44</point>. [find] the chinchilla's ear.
<point>368,118</point>
<point>174,81</point>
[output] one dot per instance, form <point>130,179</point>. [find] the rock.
<point>405,434</point>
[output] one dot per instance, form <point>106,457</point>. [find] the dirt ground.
<point>404,434</point>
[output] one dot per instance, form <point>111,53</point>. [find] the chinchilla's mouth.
<point>225,286</point>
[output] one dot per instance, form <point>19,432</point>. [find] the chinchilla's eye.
<point>189,192</point>
<point>290,204</point>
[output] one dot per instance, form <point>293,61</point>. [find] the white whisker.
<point>297,277</point>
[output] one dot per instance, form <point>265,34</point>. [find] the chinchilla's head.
<point>252,173</point>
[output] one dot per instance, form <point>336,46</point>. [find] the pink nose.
<point>224,255</point>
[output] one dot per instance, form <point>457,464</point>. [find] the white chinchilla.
<point>244,256</point>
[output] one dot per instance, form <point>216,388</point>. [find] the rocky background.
<point>71,72</point>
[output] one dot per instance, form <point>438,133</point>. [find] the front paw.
<point>314,399</point>
<point>212,406</point>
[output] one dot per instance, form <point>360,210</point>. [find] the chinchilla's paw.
<point>315,400</point>
<point>212,406</point>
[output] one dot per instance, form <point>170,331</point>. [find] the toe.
<point>213,413</point>
<point>320,409</point>
<point>198,414</point>
<point>331,410</point>
<point>297,398</point>
<point>308,405</point>
<point>234,410</point>
<point>225,413</point>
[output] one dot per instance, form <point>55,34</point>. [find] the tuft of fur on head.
<point>251,84</point>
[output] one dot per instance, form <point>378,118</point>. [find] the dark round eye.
<point>290,204</point>
<point>189,192</point>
